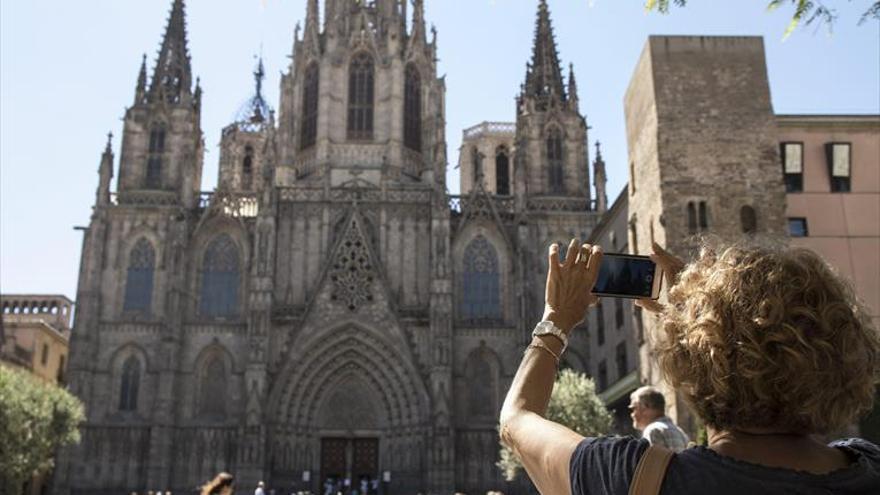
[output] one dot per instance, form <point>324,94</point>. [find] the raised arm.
<point>545,447</point>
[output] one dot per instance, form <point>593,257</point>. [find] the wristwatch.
<point>548,328</point>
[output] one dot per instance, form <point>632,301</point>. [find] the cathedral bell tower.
<point>551,135</point>
<point>362,100</point>
<point>162,137</point>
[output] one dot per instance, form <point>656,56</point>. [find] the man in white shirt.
<point>648,412</point>
<point>260,489</point>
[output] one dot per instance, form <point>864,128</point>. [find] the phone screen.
<point>624,275</point>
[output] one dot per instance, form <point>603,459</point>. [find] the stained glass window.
<point>139,279</point>
<point>130,384</point>
<point>309,123</point>
<point>360,97</point>
<point>220,278</point>
<point>555,159</point>
<point>481,298</point>
<point>412,109</point>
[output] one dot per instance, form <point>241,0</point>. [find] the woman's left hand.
<point>570,284</point>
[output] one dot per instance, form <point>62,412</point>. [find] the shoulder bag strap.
<point>650,471</point>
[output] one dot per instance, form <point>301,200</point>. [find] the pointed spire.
<point>105,173</point>
<point>573,90</point>
<point>172,77</point>
<point>312,14</point>
<point>600,179</point>
<point>141,90</point>
<point>544,77</point>
<point>418,20</point>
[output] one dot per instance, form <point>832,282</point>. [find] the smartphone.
<point>628,275</point>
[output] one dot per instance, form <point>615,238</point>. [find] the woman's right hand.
<point>671,266</point>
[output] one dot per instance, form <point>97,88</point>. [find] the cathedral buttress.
<point>162,137</point>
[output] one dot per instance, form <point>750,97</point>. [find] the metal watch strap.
<point>548,328</point>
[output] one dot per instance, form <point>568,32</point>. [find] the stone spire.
<point>312,15</point>
<point>600,179</point>
<point>543,76</point>
<point>572,90</point>
<point>141,91</point>
<point>418,20</point>
<point>172,77</point>
<point>105,174</point>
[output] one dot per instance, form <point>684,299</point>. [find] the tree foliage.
<point>36,418</point>
<point>805,11</point>
<point>574,404</point>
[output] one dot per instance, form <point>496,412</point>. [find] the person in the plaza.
<point>768,346</point>
<point>222,484</point>
<point>647,408</point>
<point>261,489</point>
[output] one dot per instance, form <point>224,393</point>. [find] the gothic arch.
<point>340,351</point>
<point>361,95</point>
<point>503,251</point>
<point>206,364</point>
<point>481,377</point>
<point>140,276</point>
<point>206,234</point>
<point>118,361</point>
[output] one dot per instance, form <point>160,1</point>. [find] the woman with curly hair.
<point>768,347</point>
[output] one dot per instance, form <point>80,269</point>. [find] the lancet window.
<point>309,122</point>
<point>481,294</point>
<point>412,109</point>
<point>555,159</point>
<point>360,97</point>
<point>154,157</point>
<point>213,390</point>
<point>502,172</point>
<point>220,279</point>
<point>139,277</point>
<point>247,168</point>
<point>130,384</point>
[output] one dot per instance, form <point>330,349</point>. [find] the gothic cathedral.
<point>329,310</point>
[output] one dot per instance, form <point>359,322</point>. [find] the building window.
<point>632,178</point>
<point>44,356</point>
<point>748,219</point>
<point>620,360</point>
<point>640,326</point>
<point>697,217</point>
<point>839,165</point>
<point>502,172</point>
<point>793,166</point>
<point>247,168</point>
<point>797,227</point>
<point>213,391</point>
<point>603,375</point>
<point>477,161</point>
<point>130,384</point>
<point>555,159</point>
<point>633,232</point>
<point>154,157</point>
<point>360,97</point>
<point>59,377</point>
<point>618,312</point>
<point>220,279</point>
<point>481,298</point>
<point>600,325</point>
<point>139,277</point>
<point>412,109</point>
<point>309,124</point>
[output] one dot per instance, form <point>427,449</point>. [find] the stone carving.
<point>352,272</point>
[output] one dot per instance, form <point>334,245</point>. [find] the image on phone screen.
<point>624,275</point>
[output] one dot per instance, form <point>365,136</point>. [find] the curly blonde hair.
<point>768,337</point>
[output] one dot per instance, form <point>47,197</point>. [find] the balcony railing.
<point>238,205</point>
<point>490,129</point>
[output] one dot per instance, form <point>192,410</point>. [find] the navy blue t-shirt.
<point>605,466</point>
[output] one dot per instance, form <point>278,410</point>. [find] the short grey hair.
<point>650,397</point>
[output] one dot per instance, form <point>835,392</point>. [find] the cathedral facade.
<point>329,310</point>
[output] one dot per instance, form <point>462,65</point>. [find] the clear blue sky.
<point>68,70</point>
